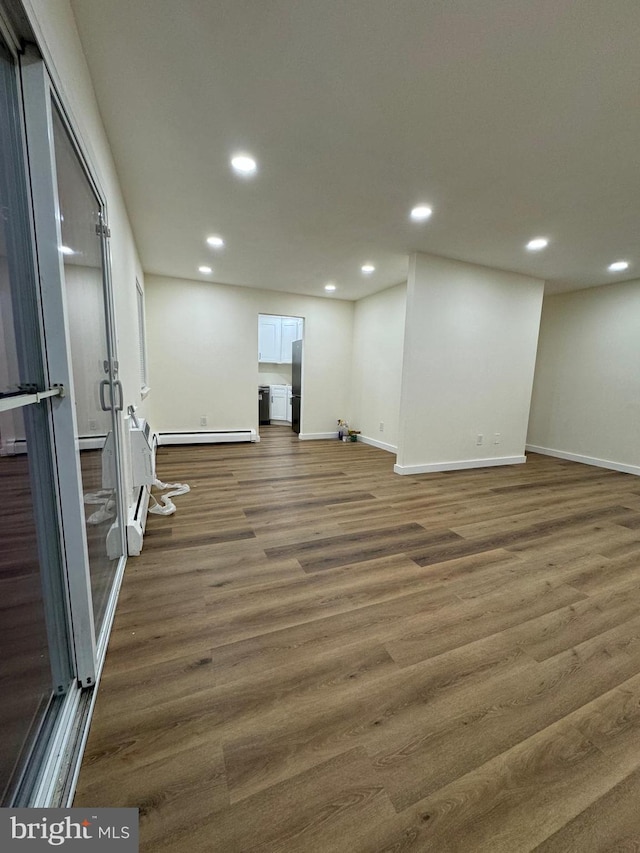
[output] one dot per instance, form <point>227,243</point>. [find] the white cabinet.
<point>269,338</point>
<point>275,336</point>
<point>279,402</point>
<point>291,331</point>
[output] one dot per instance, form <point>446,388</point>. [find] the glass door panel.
<point>35,663</point>
<point>25,668</point>
<point>94,379</point>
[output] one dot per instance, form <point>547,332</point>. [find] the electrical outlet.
<point>203,420</point>
<point>479,439</point>
<point>497,438</point>
<point>381,426</point>
<point>93,425</point>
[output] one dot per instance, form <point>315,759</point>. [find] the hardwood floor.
<point>316,655</point>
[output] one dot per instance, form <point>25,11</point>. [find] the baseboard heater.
<point>137,522</point>
<point>142,456</point>
<point>208,437</point>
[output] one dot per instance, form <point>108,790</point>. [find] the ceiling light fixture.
<point>421,212</point>
<point>65,250</point>
<point>537,244</point>
<point>618,266</point>
<point>205,270</point>
<point>367,269</point>
<point>244,164</point>
<point>215,241</point>
<point>330,287</point>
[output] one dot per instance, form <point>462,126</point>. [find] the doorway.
<point>279,370</point>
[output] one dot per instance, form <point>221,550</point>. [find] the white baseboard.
<point>91,442</point>
<point>585,460</point>
<point>459,465</point>
<point>390,448</point>
<point>317,436</point>
<point>207,437</point>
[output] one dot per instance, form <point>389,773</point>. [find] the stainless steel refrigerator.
<point>296,385</point>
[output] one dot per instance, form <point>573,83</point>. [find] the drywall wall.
<point>55,29</point>
<point>203,354</point>
<point>470,345</point>
<point>378,338</point>
<point>586,392</point>
<point>271,374</point>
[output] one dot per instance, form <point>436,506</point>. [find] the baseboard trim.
<point>585,460</point>
<point>382,445</point>
<point>317,436</point>
<point>207,437</point>
<point>8,447</point>
<point>91,442</point>
<point>460,465</point>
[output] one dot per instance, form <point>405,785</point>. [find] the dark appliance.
<point>296,385</point>
<point>264,404</point>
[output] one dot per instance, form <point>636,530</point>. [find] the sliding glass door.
<point>97,392</point>
<point>61,525</point>
<point>73,251</point>
<point>35,661</point>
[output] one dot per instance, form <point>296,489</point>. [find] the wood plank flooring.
<point>316,655</point>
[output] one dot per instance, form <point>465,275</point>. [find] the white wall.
<point>586,393</point>
<point>55,29</point>
<point>203,354</point>
<point>470,346</point>
<point>378,339</point>
<point>272,374</point>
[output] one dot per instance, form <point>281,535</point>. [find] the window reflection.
<point>81,251</point>
<point>25,675</point>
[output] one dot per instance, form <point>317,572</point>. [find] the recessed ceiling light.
<point>65,250</point>
<point>537,244</point>
<point>205,269</point>
<point>367,269</point>
<point>618,266</point>
<point>243,164</point>
<point>421,212</point>
<point>330,287</point>
<point>215,241</point>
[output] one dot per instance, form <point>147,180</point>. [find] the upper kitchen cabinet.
<point>275,336</point>
<point>269,338</point>
<point>291,331</point>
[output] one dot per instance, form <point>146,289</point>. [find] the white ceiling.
<point>511,118</point>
